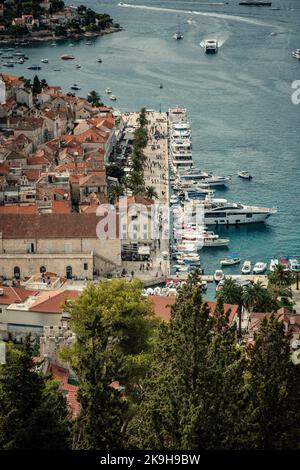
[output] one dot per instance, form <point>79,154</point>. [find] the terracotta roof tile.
<point>162,306</point>
<point>52,302</point>
<point>47,226</point>
<point>13,295</point>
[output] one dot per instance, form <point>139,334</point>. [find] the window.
<point>209,215</point>
<point>1,310</point>
<point>85,266</point>
<point>32,247</point>
<point>17,272</point>
<point>249,216</point>
<point>69,272</point>
<point>42,269</point>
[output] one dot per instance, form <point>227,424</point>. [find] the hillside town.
<point>49,19</point>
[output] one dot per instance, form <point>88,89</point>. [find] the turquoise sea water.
<point>239,101</point>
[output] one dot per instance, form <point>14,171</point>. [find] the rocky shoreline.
<point>42,39</point>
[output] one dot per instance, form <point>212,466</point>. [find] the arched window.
<point>42,269</point>
<point>17,272</point>
<point>69,272</point>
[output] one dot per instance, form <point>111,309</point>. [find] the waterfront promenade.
<point>156,175</point>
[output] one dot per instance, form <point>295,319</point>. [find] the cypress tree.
<point>33,412</point>
<point>273,390</point>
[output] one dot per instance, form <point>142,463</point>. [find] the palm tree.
<point>259,299</point>
<point>94,98</point>
<point>280,282</point>
<point>232,293</point>
<point>151,192</point>
<point>281,278</point>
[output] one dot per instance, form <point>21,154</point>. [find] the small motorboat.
<point>259,268</point>
<point>178,36</point>
<point>273,264</point>
<point>211,46</point>
<point>230,260</point>
<point>294,265</point>
<point>34,67</point>
<point>174,199</point>
<point>89,43</point>
<point>296,53</point>
<point>71,44</point>
<point>108,91</point>
<point>274,33</point>
<point>204,285</point>
<point>220,285</point>
<point>246,269</point>
<point>99,60</point>
<point>45,61</point>
<point>75,87</point>
<point>67,57</point>
<point>20,61</point>
<point>78,66</point>
<point>56,70</point>
<point>113,97</point>
<point>245,175</point>
<point>219,275</point>
<point>53,44</point>
<point>161,86</point>
<point>8,64</point>
<point>284,263</point>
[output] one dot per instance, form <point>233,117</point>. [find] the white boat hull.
<point>236,219</point>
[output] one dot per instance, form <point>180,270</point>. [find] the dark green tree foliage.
<point>187,390</point>
<point>206,391</point>
<point>36,86</point>
<point>273,390</point>
<point>33,412</point>
<point>113,324</point>
<point>94,98</point>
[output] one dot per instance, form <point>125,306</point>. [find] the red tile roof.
<point>4,169</point>
<point>62,376</point>
<point>13,295</point>
<point>61,207</point>
<point>52,302</point>
<point>16,209</point>
<point>162,306</point>
<point>33,174</point>
<point>48,226</point>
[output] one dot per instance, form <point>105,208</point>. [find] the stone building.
<point>63,243</point>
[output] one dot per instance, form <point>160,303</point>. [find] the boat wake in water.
<point>222,16</point>
<point>220,37</point>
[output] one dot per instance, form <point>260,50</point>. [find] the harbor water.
<point>238,101</point>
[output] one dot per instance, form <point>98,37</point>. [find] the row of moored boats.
<point>193,202</point>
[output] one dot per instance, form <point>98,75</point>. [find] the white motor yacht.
<point>222,212</point>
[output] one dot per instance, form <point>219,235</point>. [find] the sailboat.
<point>178,35</point>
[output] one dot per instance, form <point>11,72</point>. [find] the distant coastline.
<point>41,39</point>
<point>51,20</point>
